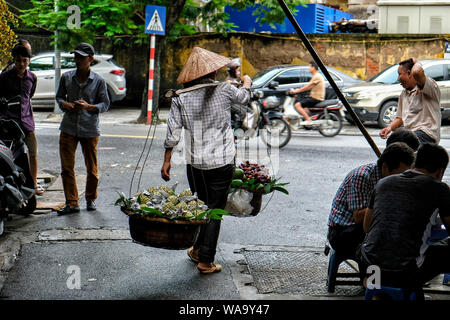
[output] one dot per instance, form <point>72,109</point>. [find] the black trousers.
<point>212,187</point>
<point>423,137</point>
<point>346,239</point>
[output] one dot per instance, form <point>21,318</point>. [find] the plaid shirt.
<point>353,194</point>
<point>205,114</point>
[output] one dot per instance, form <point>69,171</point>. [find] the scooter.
<point>266,120</point>
<point>17,194</point>
<point>326,116</point>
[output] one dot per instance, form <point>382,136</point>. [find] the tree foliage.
<point>7,36</point>
<point>116,18</point>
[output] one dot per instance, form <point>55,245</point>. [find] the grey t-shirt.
<point>402,206</point>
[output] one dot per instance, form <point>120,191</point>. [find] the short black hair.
<point>314,65</point>
<point>406,136</point>
<point>407,64</point>
<point>396,153</point>
<point>21,51</point>
<point>431,157</point>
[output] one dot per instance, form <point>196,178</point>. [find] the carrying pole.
<point>322,67</point>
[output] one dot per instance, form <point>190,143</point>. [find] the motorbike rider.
<point>317,93</point>
<point>234,76</point>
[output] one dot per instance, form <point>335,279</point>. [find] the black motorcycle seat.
<point>326,103</point>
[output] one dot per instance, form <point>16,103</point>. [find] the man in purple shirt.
<point>19,81</point>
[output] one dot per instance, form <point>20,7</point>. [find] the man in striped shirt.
<point>345,231</point>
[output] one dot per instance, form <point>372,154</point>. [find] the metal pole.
<point>328,76</point>
<point>150,79</point>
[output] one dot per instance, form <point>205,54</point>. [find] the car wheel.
<point>388,113</point>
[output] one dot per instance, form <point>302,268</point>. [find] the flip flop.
<point>39,189</point>
<point>215,268</point>
<point>192,255</point>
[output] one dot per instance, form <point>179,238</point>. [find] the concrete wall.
<point>359,55</point>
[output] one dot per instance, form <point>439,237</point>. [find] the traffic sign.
<point>155,20</point>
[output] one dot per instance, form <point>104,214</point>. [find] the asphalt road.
<point>113,267</point>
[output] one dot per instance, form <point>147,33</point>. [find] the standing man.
<point>203,109</point>
<point>399,218</point>
<point>21,42</point>
<point>317,94</point>
<point>418,105</point>
<point>17,80</point>
<point>82,95</point>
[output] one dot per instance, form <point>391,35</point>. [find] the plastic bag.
<point>249,120</point>
<point>289,111</point>
<point>238,203</point>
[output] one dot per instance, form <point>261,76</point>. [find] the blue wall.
<point>314,18</point>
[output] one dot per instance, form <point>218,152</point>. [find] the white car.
<point>377,99</point>
<point>42,65</point>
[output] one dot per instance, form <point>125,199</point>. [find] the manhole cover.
<point>297,271</point>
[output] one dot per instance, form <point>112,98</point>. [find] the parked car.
<point>377,99</point>
<point>276,80</point>
<point>42,65</point>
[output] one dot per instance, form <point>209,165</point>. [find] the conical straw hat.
<point>200,63</point>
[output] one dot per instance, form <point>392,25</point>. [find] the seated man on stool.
<point>399,214</point>
<point>317,94</point>
<point>345,223</point>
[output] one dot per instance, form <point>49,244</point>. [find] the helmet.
<point>271,102</point>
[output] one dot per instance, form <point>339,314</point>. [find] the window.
<point>288,77</point>
<point>435,24</point>
<point>403,24</point>
<point>40,64</point>
<point>435,72</point>
<point>68,63</point>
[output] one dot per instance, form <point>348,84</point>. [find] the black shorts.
<point>308,102</point>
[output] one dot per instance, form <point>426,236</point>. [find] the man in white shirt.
<point>418,104</point>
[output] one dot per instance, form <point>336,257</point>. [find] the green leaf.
<point>281,190</point>
<point>267,188</point>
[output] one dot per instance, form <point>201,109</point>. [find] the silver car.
<point>377,99</point>
<point>42,65</point>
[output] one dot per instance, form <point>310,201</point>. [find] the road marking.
<point>125,136</point>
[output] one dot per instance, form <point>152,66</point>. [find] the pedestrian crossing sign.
<point>155,20</point>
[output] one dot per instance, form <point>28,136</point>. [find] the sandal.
<point>39,189</point>
<point>192,254</point>
<point>214,268</point>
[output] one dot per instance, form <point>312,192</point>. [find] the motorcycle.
<point>326,116</point>
<point>265,120</point>
<point>17,194</point>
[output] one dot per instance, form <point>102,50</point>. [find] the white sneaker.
<point>306,123</point>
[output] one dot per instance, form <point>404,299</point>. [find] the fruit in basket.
<point>152,190</point>
<point>143,199</point>
<point>167,207</point>
<point>255,171</point>
<point>167,190</point>
<point>172,199</point>
<point>238,173</point>
<point>188,214</point>
<point>185,193</point>
<point>182,205</point>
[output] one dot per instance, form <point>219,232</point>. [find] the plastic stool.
<point>446,278</point>
<point>333,267</point>
<point>395,293</point>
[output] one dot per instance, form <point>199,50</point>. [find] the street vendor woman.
<point>203,109</point>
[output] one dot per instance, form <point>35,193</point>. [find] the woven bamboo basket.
<point>163,233</point>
